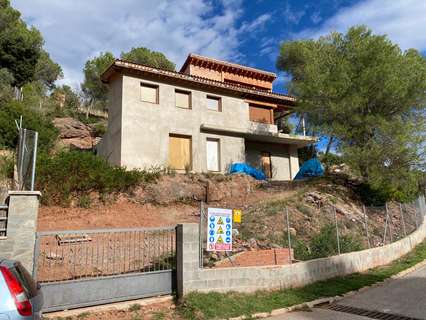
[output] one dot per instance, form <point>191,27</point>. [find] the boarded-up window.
<point>266,164</point>
<point>149,92</point>
<point>261,114</point>
<point>213,155</point>
<point>180,152</point>
<point>183,99</point>
<point>214,103</point>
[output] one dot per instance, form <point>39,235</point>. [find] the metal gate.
<point>92,267</point>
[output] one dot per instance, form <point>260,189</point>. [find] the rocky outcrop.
<point>74,133</point>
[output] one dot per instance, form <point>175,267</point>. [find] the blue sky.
<point>247,32</point>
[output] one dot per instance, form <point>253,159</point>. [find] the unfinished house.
<point>203,118</point>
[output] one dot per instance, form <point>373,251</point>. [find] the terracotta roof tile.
<point>232,88</point>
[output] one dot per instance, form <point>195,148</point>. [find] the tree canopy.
<point>47,71</point>
<point>21,50</point>
<point>145,56</point>
<point>367,93</point>
<point>93,87</point>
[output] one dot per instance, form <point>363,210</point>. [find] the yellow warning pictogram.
<point>220,221</point>
<point>219,240</point>
<point>220,230</point>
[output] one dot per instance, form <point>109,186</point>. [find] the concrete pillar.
<point>294,161</point>
<point>187,255</point>
<point>21,227</point>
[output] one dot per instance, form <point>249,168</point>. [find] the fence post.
<point>390,222</point>
<point>200,234</point>
<point>402,219</point>
<point>288,235</point>
<point>36,256</point>
<point>337,230</point>
<point>34,160</point>
<point>415,217</point>
<point>21,160</point>
<point>366,226</point>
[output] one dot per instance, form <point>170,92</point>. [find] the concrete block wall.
<point>247,279</point>
<point>21,227</point>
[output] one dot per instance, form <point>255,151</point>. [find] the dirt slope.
<point>176,199</point>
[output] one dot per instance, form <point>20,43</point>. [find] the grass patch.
<point>159,315</point>
<point>135,307</point>
<point>215,305</point>
<point>83,315</point>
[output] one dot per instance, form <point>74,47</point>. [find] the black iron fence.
<point>69,255</point>
<point>3,221</point>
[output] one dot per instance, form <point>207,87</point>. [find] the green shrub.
<point>372,196</point>
<point>77,173</point>
<point>84,201</point>
<point>324,244</point>
<point>300,249</point>
<point>330,159</point>
<point>99,129</point>
<point>31,120</point>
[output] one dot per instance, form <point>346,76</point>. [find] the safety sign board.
<point>219,229</point>
<point>237,215</point>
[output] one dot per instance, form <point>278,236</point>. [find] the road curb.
<point>329,300</point>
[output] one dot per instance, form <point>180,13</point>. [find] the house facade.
<point>204,118</point>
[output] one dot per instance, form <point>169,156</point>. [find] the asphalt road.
<point>405,296</point>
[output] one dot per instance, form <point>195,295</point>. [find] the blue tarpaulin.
<point>311,168</point>
<point>249,170</point>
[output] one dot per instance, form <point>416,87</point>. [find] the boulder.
<point>74,133</point>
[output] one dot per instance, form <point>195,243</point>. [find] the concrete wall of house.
<point>294,161</point>
<point>145,127</point>
<point>110,146</point>
<point>21,227</point>
<point>280,158</point>
<point>190,277</point>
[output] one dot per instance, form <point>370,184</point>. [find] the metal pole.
<point>390,222</point>
<point>402,220</point>
<point>21,162</point>
<point>289,236</point>
<point>415,217</point>
<point>386,227</point>
<point>20,157</point>
<point>366,226</point>
<point>36,256</point>
<point>200,232</point>
<point>337,230</point>
<point>34,160</point>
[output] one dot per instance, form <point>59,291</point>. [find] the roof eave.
<point>120,66</point>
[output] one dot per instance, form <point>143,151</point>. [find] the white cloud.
<point>256,24</point>
<point>293,16</point>
<point>403,21</point>
<point>316,17</point>
<point>75,30</point>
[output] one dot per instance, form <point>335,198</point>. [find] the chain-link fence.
<point>281,232</point>
<point>26,155</point>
